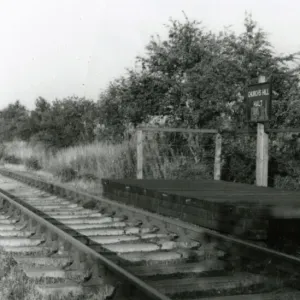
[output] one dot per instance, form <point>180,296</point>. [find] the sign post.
<point>259,111</point>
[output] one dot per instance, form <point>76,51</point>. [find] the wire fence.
<point>284,160</point>
<point>182,155</point>
<point>170,155</point>
<point>238,158</point>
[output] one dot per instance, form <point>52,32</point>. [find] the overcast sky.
<point>59,48</point>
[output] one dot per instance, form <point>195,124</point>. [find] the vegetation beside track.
<point>84,165</point>
<point>15,285</point>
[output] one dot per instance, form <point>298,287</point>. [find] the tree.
<point>36,120</point>
<point>197,78</point>
<point>14,121</point>
<point>65,122</point>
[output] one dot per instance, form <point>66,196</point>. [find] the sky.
<point>60,48</point>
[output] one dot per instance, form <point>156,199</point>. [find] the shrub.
<point>32,163</point>
<point>286,182</point>
<point>194,172</point>
<point>12,159</point>
<point>2,150</point>
<point>66,174</point>
<point>239,159</point>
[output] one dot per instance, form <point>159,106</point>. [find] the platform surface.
<point>216,191</point>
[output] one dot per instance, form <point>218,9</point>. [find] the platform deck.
<point>234,208</point>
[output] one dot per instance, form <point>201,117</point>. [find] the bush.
<point>2,151</point>
<point>66,174</point>
<point>32,163</point>
<point>239,159</point>
<point>12,159</point>
<point>195,172</point>
<point>286,183</point>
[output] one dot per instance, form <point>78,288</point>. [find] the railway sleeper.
<point>204,286</point>
<point>43,260</point>
<point>178,268</point>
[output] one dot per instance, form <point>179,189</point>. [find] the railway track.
<point>77,242</point>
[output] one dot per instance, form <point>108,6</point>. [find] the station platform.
<point>247,211</point>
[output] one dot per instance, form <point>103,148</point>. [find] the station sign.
<point>259,97</point>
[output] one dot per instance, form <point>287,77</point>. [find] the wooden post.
<point>139,154</point>
<point>218,152</point>
<point>262,151</point>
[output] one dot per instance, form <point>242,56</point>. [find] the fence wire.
<point>284,160</point>
<point>169,155</point>
<point>238,158</point>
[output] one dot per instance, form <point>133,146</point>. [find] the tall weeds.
<point>106,160</point>
<point>96,160</point>
<point>164,157</point>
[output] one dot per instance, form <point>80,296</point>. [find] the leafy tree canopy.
<point>197,79</point>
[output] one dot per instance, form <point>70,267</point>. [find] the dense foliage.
<point>62,123</point>
<point>198,78</point>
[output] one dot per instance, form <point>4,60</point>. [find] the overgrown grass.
<point>85,163</point>
<point>90,163</point>
<point>96,160</point>
<point>32,163</point>
<point>25,151</point>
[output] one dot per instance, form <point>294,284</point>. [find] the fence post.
<point>139,154</point>
<point>218,152</point>
<point>262,151</point>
